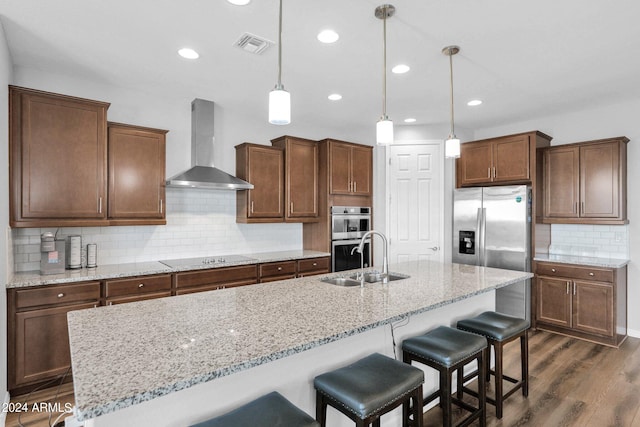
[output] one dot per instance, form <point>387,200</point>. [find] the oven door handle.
<point>348,242</point>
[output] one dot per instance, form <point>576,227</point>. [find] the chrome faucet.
<point>360,274</point>
<point>385,260</point>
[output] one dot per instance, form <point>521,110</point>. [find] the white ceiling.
<point>522,58</point>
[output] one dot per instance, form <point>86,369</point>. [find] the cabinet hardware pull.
<point>489,173</point>
<point>252,206</point>
<point>567,287</point>
<point>99,205</point>
<point>494,171</point>
<point>110,302</point>
<point>141,285</point>
<point>355,186</point>
<point>582,208</point>
<point>574,288</point>
<point>160,205</point>
<point>553,270</point>
<point>95,305</point>
<point>279,268</point>
<point>591,274</point>
<point>315,264</point>
<point>60,295</point>
<point>291,207</point>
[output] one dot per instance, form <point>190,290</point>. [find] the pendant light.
<point>452,144</point>
<point>279,99</point>
<point>384,127</point>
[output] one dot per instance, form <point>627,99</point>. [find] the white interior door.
<point>415,207</point>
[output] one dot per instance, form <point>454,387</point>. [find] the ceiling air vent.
<point>252,43</point>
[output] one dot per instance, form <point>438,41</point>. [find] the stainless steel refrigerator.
<point>492,228</point>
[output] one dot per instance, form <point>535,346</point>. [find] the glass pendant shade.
<point>279,106</point>
<point>384,131</point>
<point>452,147</point>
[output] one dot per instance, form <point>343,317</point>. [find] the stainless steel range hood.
<point>203,173</point>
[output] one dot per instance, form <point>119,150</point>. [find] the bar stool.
<point>270,410</point>
<point>370,388</point>
<point>448,350</point>
<point>500,329</point>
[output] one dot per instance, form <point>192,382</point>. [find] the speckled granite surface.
<point>582,260</point>
<point>130,353</point>
<point>34,278</point>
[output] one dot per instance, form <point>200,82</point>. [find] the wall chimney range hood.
<point>203,174</point>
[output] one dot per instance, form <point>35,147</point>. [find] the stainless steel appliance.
<point>213,261</point>
<point>348,225</point>
<point>492,228</point>
<point>52,257</point>
<point>73,250</point>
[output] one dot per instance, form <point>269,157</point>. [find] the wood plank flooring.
<point>573,383</point>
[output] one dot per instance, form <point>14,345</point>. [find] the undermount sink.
<point>369,277</point>
<point>375,276</point>
<point>341,281</point>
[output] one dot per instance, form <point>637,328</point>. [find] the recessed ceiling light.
<point>474,102</point>
<point>335,97</point>
<point>185,52</point>
<point>328,36</point>
<point>410,120</point>
<point>239,2</point>
<point>400,69</point>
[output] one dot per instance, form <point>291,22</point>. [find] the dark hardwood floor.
<point>572,383</point>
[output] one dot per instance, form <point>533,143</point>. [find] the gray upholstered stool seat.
<point>448,350</point>
<point>369,388</point>
<point>270,410</point>
<point>500,329</point>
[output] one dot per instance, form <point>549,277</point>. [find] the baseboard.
<point>3,414</point>
<point>633,333</point>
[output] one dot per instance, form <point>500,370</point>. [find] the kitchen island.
<point>176,361</point>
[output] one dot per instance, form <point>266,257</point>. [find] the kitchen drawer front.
<point>137,285</point>
<point>274,269</point>
<point>57,295</point>
<point>315,264</point>
<point>215,287</point>
<point>574,272</point>
<point>244,274</point>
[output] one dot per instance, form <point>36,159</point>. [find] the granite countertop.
<point>130,353</point>
<point>582,260</point>
<point>34,278</point>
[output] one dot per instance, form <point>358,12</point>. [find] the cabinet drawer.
<point>225,276</point>
<point>278,269</point>
<point>142,297</point>
<point>575,272</point>
<point>137,285</point>
<point>314,264</point>
<point>57,295</point>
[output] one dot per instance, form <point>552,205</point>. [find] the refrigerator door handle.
<point>481,227</point>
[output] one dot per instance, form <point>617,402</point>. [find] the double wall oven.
<point>348,225</point>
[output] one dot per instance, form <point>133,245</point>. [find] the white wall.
<point>5,79</point>
<point>597,122</point>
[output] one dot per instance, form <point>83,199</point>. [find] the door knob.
<point>435,248</point>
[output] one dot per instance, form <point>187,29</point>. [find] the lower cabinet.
<point>38,341</point>
<point>272,271</point>
<point>585,302</point>
<point>313,266</point>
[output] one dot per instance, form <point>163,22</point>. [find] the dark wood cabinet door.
<point>42,344</point>
<point>593,307</point>
<point>339,168</point>
<point>265,170</point>
<point>553,301</point>
<point>511,159</point>
<point>361,165</point>
<point>301,171</point>
<point>58,149</point>
<point>136,172</point>
<point>600,181</point>
<point>475,163</point>
<point>561,182</point>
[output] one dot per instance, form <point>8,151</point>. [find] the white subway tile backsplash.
<point>605,241</point>
<point>199,223</point>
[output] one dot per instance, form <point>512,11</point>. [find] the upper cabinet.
<point>262,166</point>
<point>498,161</point>
<point>58,160</point>
<point>350,168</point>
<point>586,183</point>
<point>136,164</point>
<point>301,178</point>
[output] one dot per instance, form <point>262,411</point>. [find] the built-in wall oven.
<point>348,225</point>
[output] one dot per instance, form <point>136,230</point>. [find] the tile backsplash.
<point>199,223</point>
<point>603,241</point>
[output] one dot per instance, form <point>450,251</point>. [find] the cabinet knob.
<point>141,285</point>
<point>60,295</point>
<point>279,268</point>
<point>591,274</point>
<point>315,264</point>
<point>553,270</point>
